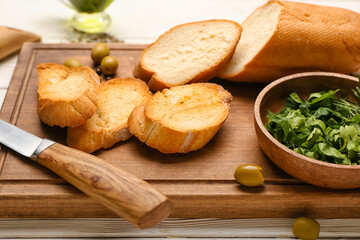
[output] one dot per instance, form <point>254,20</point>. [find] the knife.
<point>122,192</point>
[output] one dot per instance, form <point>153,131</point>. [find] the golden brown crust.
<point>157,133</point>
<point>70,110</point>
<point>84,140</point>
<point>100,132</point>
<point>139,125</point>
<point>307,38</point>
<point>157,84</point>
<point>141,73</point>
<point>91,140</point>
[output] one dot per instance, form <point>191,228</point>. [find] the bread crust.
<point>70,110</point>
<point>89,141</point>
<point>89,138</point>
<point>157,133</point>
<point>157,84</point>
<point>307,38</point>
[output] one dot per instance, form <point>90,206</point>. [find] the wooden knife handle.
<point>125,194</point>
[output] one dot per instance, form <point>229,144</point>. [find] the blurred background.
<point>133,21</point>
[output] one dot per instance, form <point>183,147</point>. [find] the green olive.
<point>250,175</point>
<point>99,51</point>
<point>72,63</point>
<point>306,228</point>
<point>109,64</point>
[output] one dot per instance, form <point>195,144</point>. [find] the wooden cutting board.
<point>199,184</point>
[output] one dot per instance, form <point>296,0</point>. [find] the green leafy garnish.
<point>324,127</point>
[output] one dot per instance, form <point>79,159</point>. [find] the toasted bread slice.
<point>181,119</point>
<point>66,96</point>
<point>118,97</point>
<point>188,53</point>
<point>282,38</point>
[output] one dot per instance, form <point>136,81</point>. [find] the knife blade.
<point>120,191</point>
<point>21,141</point>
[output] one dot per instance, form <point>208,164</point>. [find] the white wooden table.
<point>141,21</point>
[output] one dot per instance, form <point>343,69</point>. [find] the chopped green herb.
<point>324,127</point>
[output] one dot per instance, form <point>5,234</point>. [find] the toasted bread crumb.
<point>181,119</point>
<point>66,96</point>
<point>118,97</point>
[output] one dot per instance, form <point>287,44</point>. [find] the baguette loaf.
<point>66,96</point>
<point>181,119</point>
<point>118,97</point>
<point>282,38</point>
<point>188,53</point>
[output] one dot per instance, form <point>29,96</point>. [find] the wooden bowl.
<point>309,170</point>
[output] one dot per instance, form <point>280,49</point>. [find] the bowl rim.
<point>261,125</point>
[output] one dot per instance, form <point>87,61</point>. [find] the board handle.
<point>122,192</point>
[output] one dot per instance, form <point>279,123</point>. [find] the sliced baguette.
<point>181,119</point>
<point>118,97</point>
<point>66,96</point>
<point>282,38</point>
<point>188,53</point>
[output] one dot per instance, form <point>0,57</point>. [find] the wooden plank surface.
<point>171,228</point>
<point>199,184</point>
